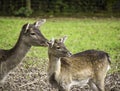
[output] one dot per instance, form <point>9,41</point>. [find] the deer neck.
<point>54,65</point>
<point>17,53</point>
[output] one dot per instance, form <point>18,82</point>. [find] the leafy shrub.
<point>23,12</point>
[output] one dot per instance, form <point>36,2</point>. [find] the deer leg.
<point>61,89</point>
<point>100,81</point>
<point>64,87</point>
<point>53,81</point>
<point>1,86</point>
<point>93,85</point>
<point>100,85</point>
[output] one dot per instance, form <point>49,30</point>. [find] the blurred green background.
<point>83,33</point>
<point>51,8</point>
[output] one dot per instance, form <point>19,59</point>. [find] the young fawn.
<point>87,67</point>
<point>30,35</point>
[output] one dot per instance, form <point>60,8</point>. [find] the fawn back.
<point>89,66</point>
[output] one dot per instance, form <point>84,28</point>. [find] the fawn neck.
<point>54,65</point>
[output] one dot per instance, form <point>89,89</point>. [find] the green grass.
<point>102,34</point>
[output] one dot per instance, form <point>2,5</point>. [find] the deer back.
<point>86,64</point>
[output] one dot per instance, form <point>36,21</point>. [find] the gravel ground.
<point>35,79</point>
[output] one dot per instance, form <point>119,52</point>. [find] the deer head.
<point>31,34</point>
<point>57,48</point>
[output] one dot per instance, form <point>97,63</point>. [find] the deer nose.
<point>45,42</point>
<point>48,42</point>
<point>69,54</point>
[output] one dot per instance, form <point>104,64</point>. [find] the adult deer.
<point>29,36</point>
<point>87,67</point>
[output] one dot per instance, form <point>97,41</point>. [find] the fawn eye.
<point>58,47</point>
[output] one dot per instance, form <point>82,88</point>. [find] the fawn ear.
<point>51,42</point>
<point>63,39</point>
<point>39,23</point>
<point>26,27</point>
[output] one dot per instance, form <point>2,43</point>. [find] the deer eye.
<point>32,33</point>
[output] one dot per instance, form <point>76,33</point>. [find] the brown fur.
<point>90,65</point>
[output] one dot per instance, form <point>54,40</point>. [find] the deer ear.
<point>63,39</point>
<point>39,23</point>
<point>26,27</point>
<point>51,42</point>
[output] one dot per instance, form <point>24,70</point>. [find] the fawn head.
<point>57,48</point>
<point>32,36</point>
